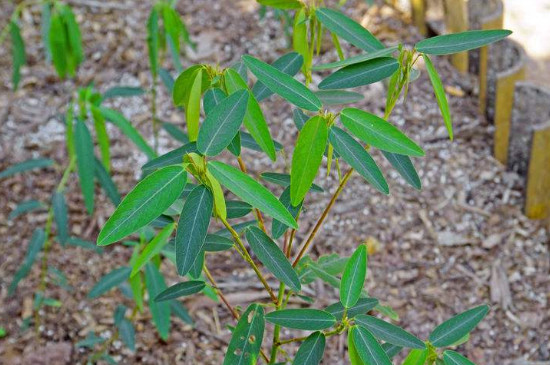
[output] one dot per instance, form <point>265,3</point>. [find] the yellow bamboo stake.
<point>456,20</point>
<point>537,199</point>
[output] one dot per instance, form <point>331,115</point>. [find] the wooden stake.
<point>456,20</point>
<point>418,10</point>
<point>537,199</point>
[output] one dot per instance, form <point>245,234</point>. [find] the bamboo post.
<point>456,20</point>
<point>418,11</point>
<point>537,194</point>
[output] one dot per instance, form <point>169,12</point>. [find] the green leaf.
<point>359,74</point>
<point>216,243</point>
<point>107,184</point>
<point>454,358</point>
<point>126,127</point>
<point>368,348</point>
<point>180,290</point>
<point>183,85</point>
<point>160,311</point>
<point>25,207</point>
<point>459,42</point>
<point>237,209</point>
<point>311,351</point>
<point>45,25</point>
<point>404,167</point>
<point>388,332</point>
<point>222,124</point>
<point>289,63</point>
<point>153,248</point>
<point>458,326</point>
<point>338,97</point>
<point>109,281</point>
<point>241,69</point>
<point>278,228</point>
<point>357,59</point>
<point>192,227</point>
<point>439,95</point>
<point>246,341</point>
<point>179,311</point>
<point>149,199</point>
<point>175,132</point>
<point>348,29</point>
<point>284,180</point>
<point>167,79</point>
<point>18,53</point>
<point>27,165</point>
<point>283,84</point>
<point>174,157</point>
<point>251,191</point>
<point>362,306</point>
<point>247,141</point>
<point>300,118</point>
<point>153,40</point>
<point>35,246</point>
<point>358,158</point>
<point>58,45</point>
<point>272,257</point>
<point>101,136</point>
<point>416,357</point>
<point>84,147</point>
<point>88,245</point>
<point>123,91</point>
<point>307,157</point>
<point>378,133</point>
<point>192,108</point>
<point>302,319</point>
<point>76,55</point>
<point>127,333</point>
<point>212,97</point>
<point>282,4</point>
<point>60,214</point>
<point>391,350</point>
<point>352,351</point>
<point>353,278</point>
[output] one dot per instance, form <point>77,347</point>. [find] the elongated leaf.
<point>278,228</point>
<point>311,351</point>
<point>247,141</point>
<point>123,91</point>
<point>284,180</point>
<point>457,327</point>
<point>128,129</point>
<point>88,245</point>
<point>84,147</point>
<point>60,214</point>
<point>241,69</point>
<point>246,341</point>
<point>359,74</point>
<point>302,319</point>
<point>180,290</point>
<point>183,85</point>
<point>459,42</point>
<point>356,59</point>
<point>283,84</point>
<point>222,124</point>
<point>378,133</point>
<point>439,95</point>
<point>289,63</point>
<point>173,157</point>
<point>353,278</point>
<point>251,191</point>
<point>454,358</point>
<point>179,311</point>
<point>416,357</point>
<point>101,136</point>
<point>391,350</point>
<point>282,4</point>
<point>175,132</point>
<point>348,29</point>
<point>358,158</point>
<point>35,246</point>
<point>368,348</point>
<point>237,209</point>
<point>404,167</point>
<point>127,333</point>
<point>338,97</point>
<point>362,306</point>
<point>388,332</point>
<point>272,257</point>
<point>46,21</point>
<point>18,53</point>
<point>160,311</point>
<point>307,157</point>
<point>212,97</point>
<point>25,207</point>
<point>192,227</point>
<point>153,40</point>
<point>216,243</point>
<point>153,248</point>
<point>149,199</point>
<point>109,281</point>
<point>58,45</point>
<point>24,166</point>
<point>76,54</point>
<point>107,184</point>
<point>300,118</point>
<point>352,351</point>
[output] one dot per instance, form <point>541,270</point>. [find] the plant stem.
<point>257,212</point>
<point>277,330</point>
<point>154,114</point>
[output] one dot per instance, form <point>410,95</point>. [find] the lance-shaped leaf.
<point>307,157</point>
<point>358,158</point>
<point>391,350</point>
<point>459,42</point>
<point>362,306</point>
<point>338,97</point>
<point>25,207</point>
<point>18,53</point>
<point>311,351</point>
<point>58,45</point>
<point>353,278</point>
<point>153,248</point>
<point>216,243</point>
<point>368,348</point>
<point>348,29</point>
<point>241,69</point>
<point>173,157</point>
<point>222,124</point>
<point>439,95</point>
<point>160,311</point>
<point>359,74</point>
<point>300,118</point>
<point>278,228</point>
<point>76,54</point>
<point>127,333</point>
<point>247,141</point>
<point>192,110</point>
<point>109,281</point>
<point>352,351</point>
<point>302,319</point>
<point>85,161</point>
<point>212,97</point>
<point>246,341</point>
<point>35,246</point>
<point>148,200</point>
<point>60,214</point>
<point>237,209</point>
<point>36,163</point>
<point>454,358</point>
<point>416,357</point>
<point>183,85</point>
<point>452,330</point>
<point>272,257</point>
<point>404,167</point>
<point>251,191</point>
<point>175,132</point>
<point>180,290</point>
<point>388,332</point>
<point>284,180</point>
<point>289,63</point>
<point>192,227</point>
<point>254,120</point>
<point>357,59</point>
<point>283,85</point>
<point>153,40</point>
<point>378,133</point>
<point>282,4</point>
<point>123,91</point>
<point>107,184</point>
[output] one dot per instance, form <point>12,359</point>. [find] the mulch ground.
<point>460,242</point>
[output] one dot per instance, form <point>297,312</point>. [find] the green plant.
<point>188,207</point>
